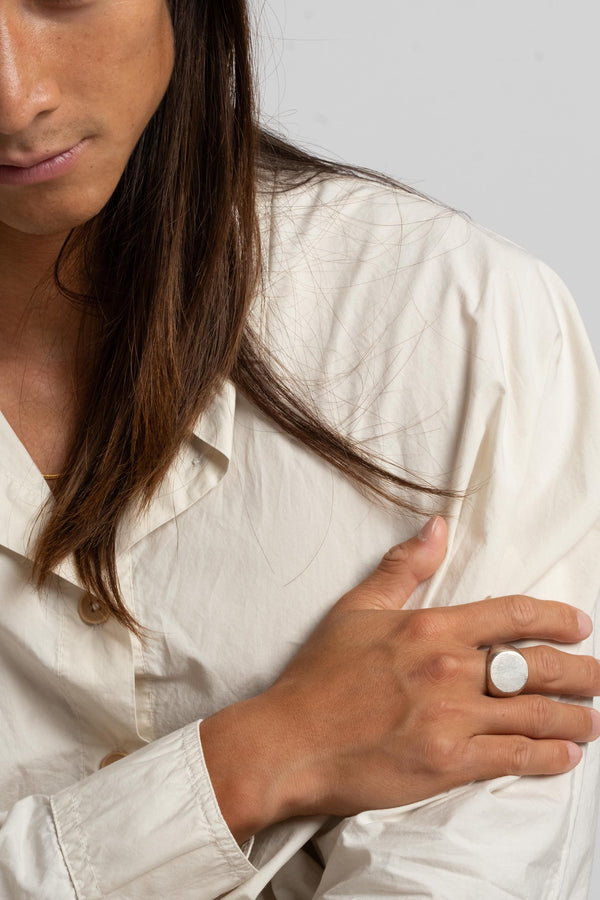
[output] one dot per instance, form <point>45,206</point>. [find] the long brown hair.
<point>174,322</point>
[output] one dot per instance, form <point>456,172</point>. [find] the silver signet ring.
<point>506,671</point>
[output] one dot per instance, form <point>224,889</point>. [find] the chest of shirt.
<point>228,589</point>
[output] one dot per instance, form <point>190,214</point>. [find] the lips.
<point>37,168</point>
<point>27,162</point>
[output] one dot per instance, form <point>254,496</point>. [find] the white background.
<point>492,108</point>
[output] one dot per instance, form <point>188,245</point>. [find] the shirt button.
<point>111,758</point>
<point>90,611</point>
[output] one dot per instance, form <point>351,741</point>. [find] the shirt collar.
<point>201,463</point>
<point>215,426</point>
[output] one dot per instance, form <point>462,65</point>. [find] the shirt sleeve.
<point>534,529</point>
<point>146,826</point>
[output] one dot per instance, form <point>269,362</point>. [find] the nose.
<point>27,88</point>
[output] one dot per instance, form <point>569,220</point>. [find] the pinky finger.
<point>491,756</point>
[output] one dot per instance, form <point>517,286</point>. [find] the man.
<point>176,520</point>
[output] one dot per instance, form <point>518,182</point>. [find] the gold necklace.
<point>51,477</point>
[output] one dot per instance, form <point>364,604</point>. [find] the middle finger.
<point>539,717</point>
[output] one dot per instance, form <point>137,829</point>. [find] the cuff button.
<point>111,758</point>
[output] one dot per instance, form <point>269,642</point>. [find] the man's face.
<point>80,75</point>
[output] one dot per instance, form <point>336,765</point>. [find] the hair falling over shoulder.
<point>174,322</point>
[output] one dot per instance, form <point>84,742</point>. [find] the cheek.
<point>115,72</point>
<point>126,66</point>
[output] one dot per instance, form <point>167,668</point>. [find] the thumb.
<point>400,571</point>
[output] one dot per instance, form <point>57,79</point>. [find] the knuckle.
<point>522,612</point>
<point>374,596</point>
<point>567,617</point>
<point>520,756</point>
<point>441,668</point>
<point>550,665</point>
<point>424,625</point>
<point>542,713</point>
<point>559,757</point>
<point>396,558</point>
<point>591,668</point>
<point>442,753</point>
<point>589,722</point>
<point>440,709</point>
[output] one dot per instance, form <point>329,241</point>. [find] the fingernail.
<point>585,623</point>
<point>595,722</point>
<point>428,531</point>
<point>575,752</point>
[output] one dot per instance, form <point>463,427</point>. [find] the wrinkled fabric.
<point>464,362</point>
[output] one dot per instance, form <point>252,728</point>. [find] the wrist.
<point>249,753</point>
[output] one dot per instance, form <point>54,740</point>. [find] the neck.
<point>37,324</point>
<point>45,349</point>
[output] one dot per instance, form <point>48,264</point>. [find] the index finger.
<point>498,620</point>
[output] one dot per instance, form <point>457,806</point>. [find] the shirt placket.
<point>97,676</point>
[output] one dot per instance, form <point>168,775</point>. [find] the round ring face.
<point>508,671</point>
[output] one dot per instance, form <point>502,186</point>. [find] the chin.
<point>53,218</point>
<point>56,207</point>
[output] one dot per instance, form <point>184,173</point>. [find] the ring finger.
<point>553,671</point>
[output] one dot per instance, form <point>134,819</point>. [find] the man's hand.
<point>382,707</point>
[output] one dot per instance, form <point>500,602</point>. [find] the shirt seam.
<point>83,844</point>
<point>61,852</point>
<point>193,748</point>
<point>140,672</point>
<point>71,703</point>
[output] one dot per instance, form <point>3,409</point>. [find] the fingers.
<point>552,671</point>
<point>400,571</point>
<point>539,717</point>
<point>489,756</point>
<point>503,619</point>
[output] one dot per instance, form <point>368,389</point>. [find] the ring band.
<point>506,671</point>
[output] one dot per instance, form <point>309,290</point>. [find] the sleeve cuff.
<point>150,821</point>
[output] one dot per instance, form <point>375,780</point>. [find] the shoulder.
<point>371,218</point>
<point>349,256</point>
<point>416,330</point>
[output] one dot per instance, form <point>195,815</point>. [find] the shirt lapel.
<point>201,463</point>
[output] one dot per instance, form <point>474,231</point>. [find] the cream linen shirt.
<point>459,357</point>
